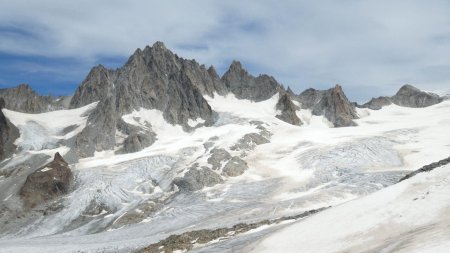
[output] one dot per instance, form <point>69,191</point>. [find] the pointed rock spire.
<point>331,103</point>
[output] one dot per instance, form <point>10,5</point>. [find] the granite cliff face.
<point>331,103</point>
<point>8,134</point>
<point>245,86</point>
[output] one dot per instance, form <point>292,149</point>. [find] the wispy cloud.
<point>370,47</point>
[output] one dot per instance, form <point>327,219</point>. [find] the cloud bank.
<point>369,47</point>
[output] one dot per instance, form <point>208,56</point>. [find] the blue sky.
<point>369,47</point>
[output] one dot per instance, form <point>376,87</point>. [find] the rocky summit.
<point>245,86</point>
<point>410,96</point>
<point>407,96</point>
<point>331,103</point>
<point>153,78</point>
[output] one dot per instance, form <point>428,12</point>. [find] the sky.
<point>369,47</point>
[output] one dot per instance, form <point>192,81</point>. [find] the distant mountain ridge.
<point>156,78</point>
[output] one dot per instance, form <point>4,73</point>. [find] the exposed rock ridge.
<point>185,241</point>
<point>24,99</point>
<point>427,168</point>
<point>331,103</point>
<point>8,134</point>
<point>407,96</point>
<point>245,86</point>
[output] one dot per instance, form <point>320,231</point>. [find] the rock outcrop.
<point>287,110</point>
<point>235,167</point>
<point>332,103</point>
<point>218,158</point>
<point>427,168</point>
<point>24,99</point>
<point>137,138</point>
<point>244,86</point>
<point>48,182</point>
<point>251,140</point>
<point>197,178</point>
<point>8,134</point>
<point>410,96</point>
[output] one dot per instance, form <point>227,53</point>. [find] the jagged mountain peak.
<point>407,96</point>
<point>245,86</point>
<point>331,103</point>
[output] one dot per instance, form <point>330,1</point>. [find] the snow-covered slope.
<point>123,202</point>
<point>412,216</point>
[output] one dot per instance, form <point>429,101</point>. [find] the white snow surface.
<point>411,216</point>
<point>301,168</point>
<point>43,131</point>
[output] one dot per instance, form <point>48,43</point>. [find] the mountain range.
<point>163,154</point>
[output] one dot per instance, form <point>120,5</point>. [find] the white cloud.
<point>374,44</point>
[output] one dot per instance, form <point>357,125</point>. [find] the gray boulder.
<point>288,110</point>
<point>410,96</point>
<point>332,103</point>
<point>235,167</point>
<point>48,182</point>
<point>196,179</point>
<point>8,134</point>
<point>244,86</point>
